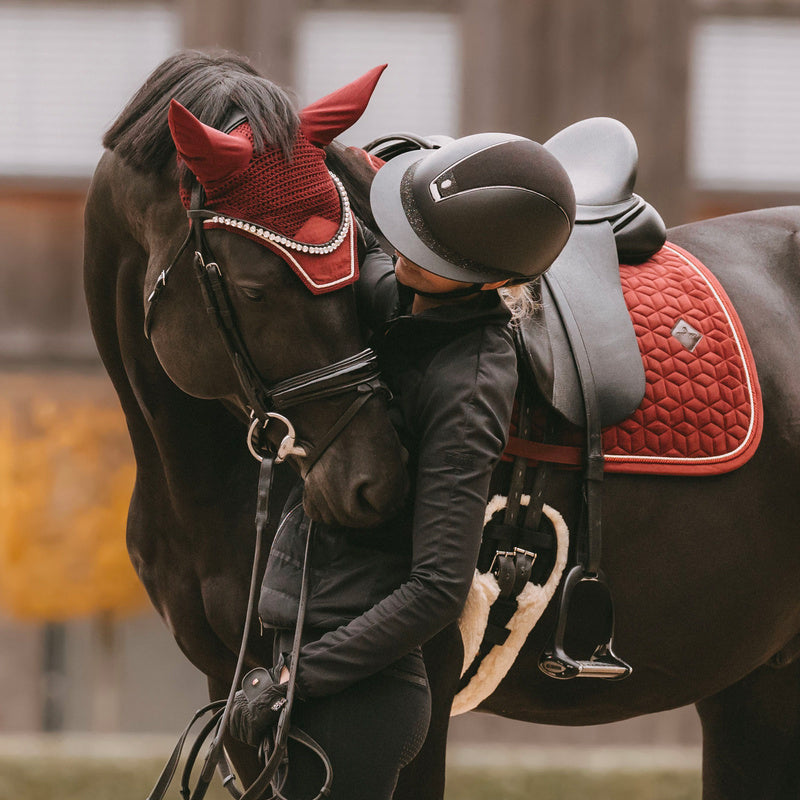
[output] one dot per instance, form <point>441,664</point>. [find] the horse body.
<point>703,569</point>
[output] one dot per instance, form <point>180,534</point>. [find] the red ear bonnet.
<point>294,206</point>
<point>333,114</point>
<point>211,155</point>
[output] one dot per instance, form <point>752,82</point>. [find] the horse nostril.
<point>367,498</point>
<point>360,497</point>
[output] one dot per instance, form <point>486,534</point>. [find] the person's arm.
<point>463,421</point>
<point>376,288</point>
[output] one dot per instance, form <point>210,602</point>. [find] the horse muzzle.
<point>358,489</point>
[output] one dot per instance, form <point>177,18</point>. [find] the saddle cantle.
<point>582,302</point>
<point>601,159</point>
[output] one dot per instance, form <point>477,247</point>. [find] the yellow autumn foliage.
<point>66,474</point>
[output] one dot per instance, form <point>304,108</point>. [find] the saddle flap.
<point>584,282</point>
<point>543,347</point>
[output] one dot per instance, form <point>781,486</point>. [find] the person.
<point>467,220</point>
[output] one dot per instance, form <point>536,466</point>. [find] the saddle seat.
<point>601,158</point>
<point>582,302</point>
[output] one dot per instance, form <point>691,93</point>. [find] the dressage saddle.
<point>578,353</point>
<point>581,351</point>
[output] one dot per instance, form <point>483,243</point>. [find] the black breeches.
<point>370,731</point>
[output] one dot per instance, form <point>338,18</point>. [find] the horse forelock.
<point>212,86</point>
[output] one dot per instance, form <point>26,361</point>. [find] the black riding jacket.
<point>377,594</point>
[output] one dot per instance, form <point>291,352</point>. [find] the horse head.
<point>274,244</point>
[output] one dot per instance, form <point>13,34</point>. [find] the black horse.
<point>704,569</point>
<point>190,529</point>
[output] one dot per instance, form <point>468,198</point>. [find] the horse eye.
<point>252,293</point>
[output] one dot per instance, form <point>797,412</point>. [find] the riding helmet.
<point>483,208</point>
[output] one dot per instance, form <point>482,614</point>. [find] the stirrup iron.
<point>602,663</point>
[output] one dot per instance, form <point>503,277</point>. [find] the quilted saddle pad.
<point>702,411</point>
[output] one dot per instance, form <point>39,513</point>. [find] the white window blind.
<point>420,90</point>
<point>68,70</point>
<point>745,104</point>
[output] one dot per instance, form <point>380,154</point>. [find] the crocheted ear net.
<point>294,208</point>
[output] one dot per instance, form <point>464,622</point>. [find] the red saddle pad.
<point>702,411</point>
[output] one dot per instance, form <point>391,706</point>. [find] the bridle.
<point>357,373</point>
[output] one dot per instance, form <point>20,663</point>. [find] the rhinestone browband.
<point>292,244</point>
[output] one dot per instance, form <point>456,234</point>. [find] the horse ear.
<point>324,120</point>
<point>210,154</point>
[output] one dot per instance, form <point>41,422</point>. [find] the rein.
<point>218,722</point>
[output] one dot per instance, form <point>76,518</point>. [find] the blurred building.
<point>708,88</point>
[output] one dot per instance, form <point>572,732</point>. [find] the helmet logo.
<point>443,185</point>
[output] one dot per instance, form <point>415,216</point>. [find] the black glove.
<point>258,704</point>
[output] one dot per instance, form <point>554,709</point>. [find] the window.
<point>68,70</point>
<point>420,90</point>
<point>745,104</point>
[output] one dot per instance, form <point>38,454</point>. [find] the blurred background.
<point>708,87</point>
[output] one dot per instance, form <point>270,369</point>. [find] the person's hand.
<point>258,704</point>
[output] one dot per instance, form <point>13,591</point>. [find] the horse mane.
<point>211,86</point>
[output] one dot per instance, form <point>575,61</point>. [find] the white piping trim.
<point>287,255</point>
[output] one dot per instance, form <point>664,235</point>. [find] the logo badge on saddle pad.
<point>688,336</point>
